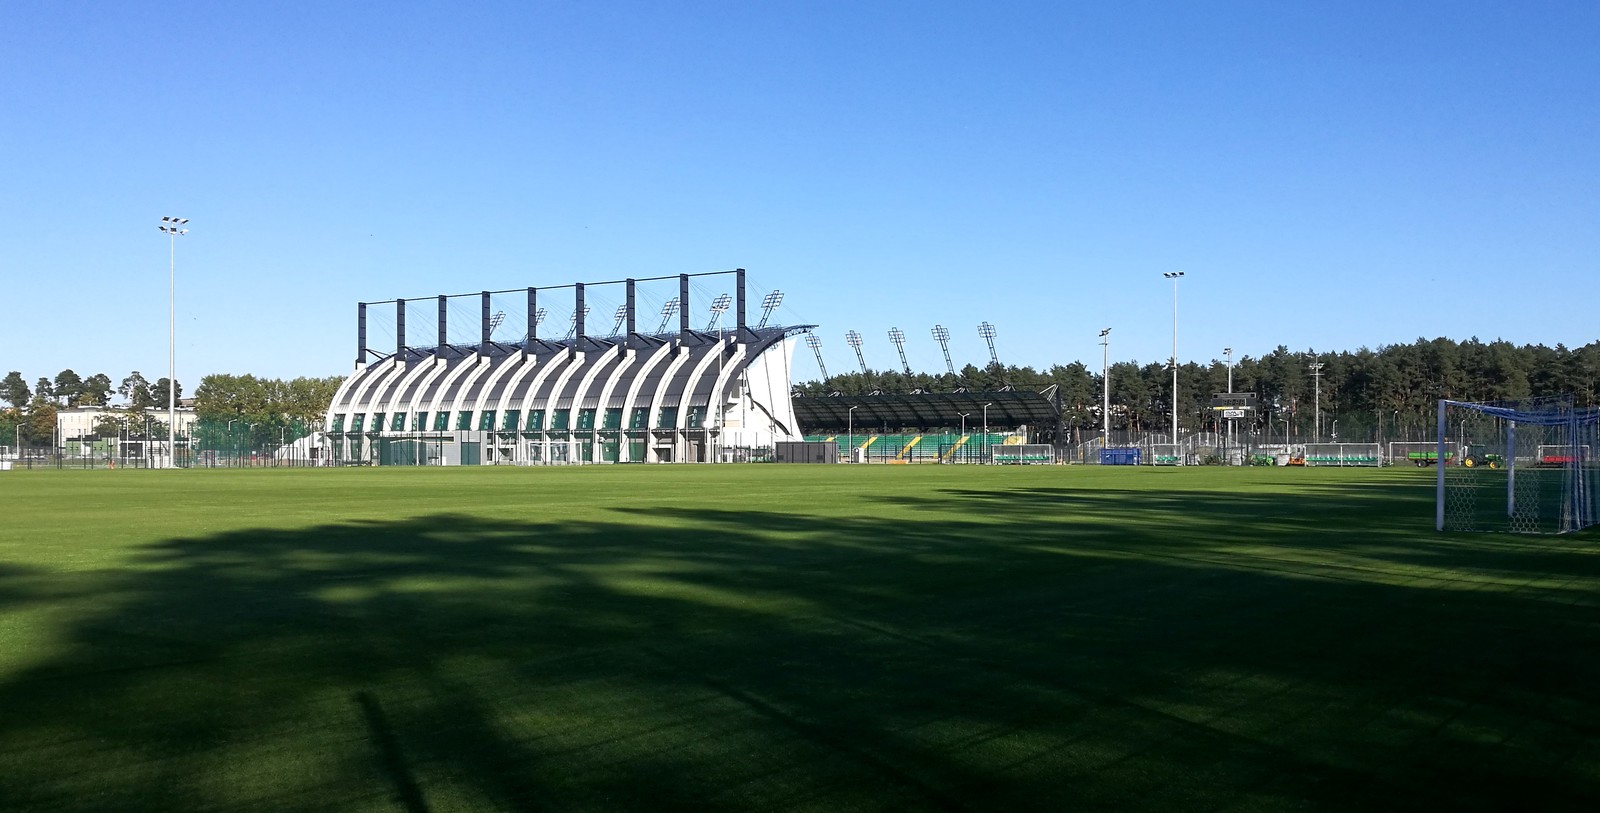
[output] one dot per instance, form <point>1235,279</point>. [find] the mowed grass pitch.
<point>785,638</point>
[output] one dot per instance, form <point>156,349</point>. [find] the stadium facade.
<point>629,397</point>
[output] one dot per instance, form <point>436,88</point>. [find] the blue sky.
<point>1327,175</point>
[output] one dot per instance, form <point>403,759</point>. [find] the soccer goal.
<point>1525,466</point>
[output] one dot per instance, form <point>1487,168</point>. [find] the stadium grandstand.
<point>625,397</point>
<point>631,395</point>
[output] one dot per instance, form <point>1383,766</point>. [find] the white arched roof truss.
<point>463,396</point>
<point>455,374</point>
<point>685,401</point>
<point>341,396</point>
<point>729,370</point>
<point>632,398</point>
<point>542,372</point>
<point>400,397</point>
<point>552,403</point>
<point>666,380</point>
<point>629,356</point>
<point>363,400</point>
<point>589,376</point>
<point>440,365</point>
<point>505,373</point>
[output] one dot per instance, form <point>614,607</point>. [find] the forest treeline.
<point>1393,386</point>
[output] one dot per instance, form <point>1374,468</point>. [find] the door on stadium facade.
<point>471,453</point>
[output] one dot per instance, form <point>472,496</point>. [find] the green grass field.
<point>785,638</point>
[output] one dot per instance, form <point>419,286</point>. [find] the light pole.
<point>173,227</point>
<point>964,423</point>
<point>850,431</point>
<point>1227,353</point>
<point>1316,405</point>
<point>1335,430</point>
<point>986,432</point>
<point>1174,276</point>
<point>1105,388</point>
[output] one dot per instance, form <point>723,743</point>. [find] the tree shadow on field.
<point>1045,649</point>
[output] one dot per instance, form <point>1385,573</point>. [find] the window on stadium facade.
<point>535,419</point>
<point>419,422</point>
<point>640,419</point>
<point>696,414</point>
<point>486,421</point>
<point>338,421</point>
<point>464,419</point>
<point>669,418</point>
<point>512,421</point>
<point>613,419</point>
<point>586,418</point>
<point>377,422</point>
<point>355,425</point>
<point>561,419</point>
<point>441,421</point>
<point>398,422</point>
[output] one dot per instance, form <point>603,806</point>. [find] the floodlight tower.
<point>1227,353</point>
<point>941,334</point>
<point>173,227</point>
<point>495,321</point>
<point>667,312</point>
<point>1174,276</point>
<point>986,330</point>
<point>574,329</point>
<point>769,303</point>
<point>620,316</point>
<point>1105,388</point>
<point>1316,407</point>
<point>853,339</point>
<point>538,319</point>
<point>719,306</point>
<point>815,343</point>
<point>899,339</point>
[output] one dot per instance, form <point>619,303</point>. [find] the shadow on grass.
<point>1047,648</point>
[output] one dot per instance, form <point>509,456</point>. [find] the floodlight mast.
<point>719,306</point>
<point>173,227</point>
<point>620,316</point>
<point>769,303</point>
<point>1316,407</point>
<point>853,339</point>
<point>667,311</point>
<point>574,329</point>
<point>899,339</point>
<point>1227,353</point>
<point>1174,276</point>
<point>942,336</point>
<point>986,330</point>
<point>495,321</point>
<point>815,343</point>
<point>1105,388</point>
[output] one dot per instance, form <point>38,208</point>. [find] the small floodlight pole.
<point>815,343</point>
<point>853,339</point>
<point>986,330</point>
<point>1227,353</point>
<point>1316,404</point>
<point>174,227</point>
<point>850,431</point>
<point>941,334</point>
<point>899,338</point>
<point>986,432</point>
<point>667,312</point>
<point>719,306</point>
<point>769,303</point>
<point>1174,276</point>
<point>964,423</point>
<point>1105,388</point>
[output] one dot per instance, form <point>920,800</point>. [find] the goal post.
<point>1522,466</point>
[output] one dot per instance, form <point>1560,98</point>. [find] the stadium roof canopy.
<point>934,410</point>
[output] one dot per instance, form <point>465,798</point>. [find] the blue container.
<point>1119,457</point>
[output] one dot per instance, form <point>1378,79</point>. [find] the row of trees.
<point>1395,387</point>
<point>266,409</point>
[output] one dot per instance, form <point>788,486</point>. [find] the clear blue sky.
<point>1328,175</point>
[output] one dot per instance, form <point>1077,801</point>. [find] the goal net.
<point>1524,466</point>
